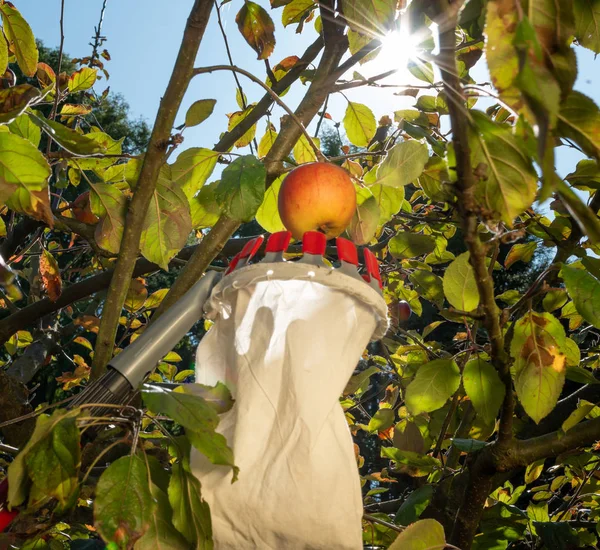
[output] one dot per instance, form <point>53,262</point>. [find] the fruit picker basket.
<point>287,336</point>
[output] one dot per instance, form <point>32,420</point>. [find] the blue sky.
<point>144,37</point>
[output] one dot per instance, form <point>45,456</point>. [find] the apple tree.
<point>476,420</point>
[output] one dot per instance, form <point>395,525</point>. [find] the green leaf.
<point>434,383</point>
<point>124,506</point>
<point>242,188</point>
<point>579,120</point>
<point>14,101</point>
<point>110,205</point>
<point>534,470</point>
<point>417,464</point>
<point>296,11</point>
<point>572,353</point>
<point>460,287</point>
<point>484,388</point>
<point>414,505</point>
<point>510,182</point>
<point>204,208</point>
<point>199,111</point>
<point>266,142</point>
<point>364,222</point>
<point>108,145</point>
<point>580,375</point>
<point>257,28</point>
<point>235,119</point>
<point>389,200</point>
<point>369,17</point>
<point>66,138</point>
<point>22,166</point>
<point>83,79</point>
<point>192,169</point>
<point>587,23</point>
<point>429,286</point>
<point>583,409</point>
<point>520,252</point>
<point>584,216</point>
<point>63,453</point>
<point>468,445</point>
<point>421,70</point>
<point>584,289</point>
<point>357,41</point>
<point>425,534</point>
<point>189,408</point>
<point>303,152</point>
<point>191,514</point>
<point>403,164</point>
<point>359,123</point>
<point>23,126</point>
<point>555,299</point>
<point>167,225</point>
<point>586,176</point>
<point>409,245</point>
<point>537,348</point>
<point>268,213</point>
<point>358,380</point>
<point>161,534</point>
<point>3,56</point>
<point>382,420</point>
<point>19,34</point>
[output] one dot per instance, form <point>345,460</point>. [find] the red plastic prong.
<point>314,242</point>
<point>6,518</point>
<point>346,251</point>
<point>278,242</point>
<point>233,263</point>
<point>251,247</point>
<point>372,266</point>
<point>257,244</point>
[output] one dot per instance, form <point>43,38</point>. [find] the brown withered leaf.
<point>88,322</point>
<point>50,274</point>
<point>286,63</point>
<point>257,28</point>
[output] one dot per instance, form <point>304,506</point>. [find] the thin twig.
<point>374,519</point>
<point>60,56</point>
<point>276,98</point>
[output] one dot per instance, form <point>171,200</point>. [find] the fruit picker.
<point>286,338</point>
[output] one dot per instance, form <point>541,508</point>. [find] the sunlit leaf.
<point>136,295</point>
<point>403,164</point>
<point>413,464</point>
<point>83,79</point>
<point>23,126</point>
<point>235,119</point>
<point>257,28</point>
<point>268,213</point>
<point>372,17</point>
<point>409,245</point>
<point>587,23</point>
<point>429,286</point>
<point>13,101</point>
<point>204,209</point>
<point>50,274</point>
<point>68,139</point>
<point>199,111</point>
<point>460,287</point>
<point>579,120</point>
<point>520,252</point>
<point>303,152</point>
<point>3,56</point>
<point>266,142</point>
<point>365,221</point>
<point>242,188</point>
<point>539,362</point>
<point>433,385</point>
<point>584,290</point>
<point>484,388</point>
<point>296,10</point>
<point>21,39</point>
<point>167,225</point>
<point>109,205</point>
<point>425,534</point>
<point>381,420</point>
<point>508,183</point>
<point>192,169</point>
<point>359,123</point>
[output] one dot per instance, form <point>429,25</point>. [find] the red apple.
<point>317,196</point>
<point>404,311</point>
<point>82,210</point>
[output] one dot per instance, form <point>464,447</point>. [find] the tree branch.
<point>153,161</point>
<point>274,96</point>
<point>466,204</point>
